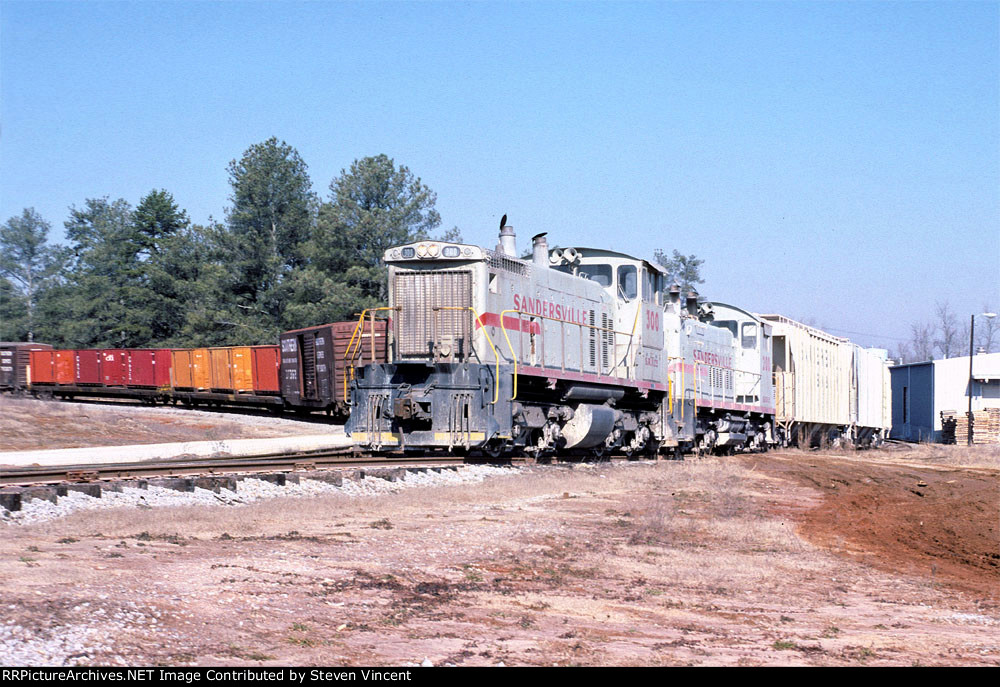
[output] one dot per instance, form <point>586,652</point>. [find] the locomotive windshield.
<point>600,273</point>
<point>726,324</point>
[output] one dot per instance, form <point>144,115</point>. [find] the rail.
<point>302,463</point>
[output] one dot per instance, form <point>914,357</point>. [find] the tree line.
<point>146,276</point>
<point>944,336</point>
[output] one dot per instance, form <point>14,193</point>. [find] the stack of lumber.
<point>985,427</point>
<point>948,421</point>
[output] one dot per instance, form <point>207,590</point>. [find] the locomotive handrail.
<point>631,336</point>
<point>524,313</point>
<point>349,354</point>
<point>503,328</point>
<point>694,374</point>
<point>670,385</point>
<point>496,356</point>
<point>711,396</point>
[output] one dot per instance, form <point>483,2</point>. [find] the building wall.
<point>913,388</point>
<point>932,387</point>
<point>951,385</point>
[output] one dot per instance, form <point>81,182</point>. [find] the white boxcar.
<point>827,389</point>
<point>873,409</point>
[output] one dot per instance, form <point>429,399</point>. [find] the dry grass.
<point>958,455</point>
<point>672,563</point>
<point>27,424</point>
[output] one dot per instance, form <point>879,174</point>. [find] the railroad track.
<point>300,462</point>
<point>19,485</point>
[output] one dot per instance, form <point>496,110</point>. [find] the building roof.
<point>985,366</point>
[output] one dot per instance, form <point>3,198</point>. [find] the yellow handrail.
<point>670,385</point>
<point>496,356</point>
<point>683,390</point>
<point>523,313</point>
<point>694,374</point>
<point>631,336</point>
<point>348,359</point>
<point>513,355</point>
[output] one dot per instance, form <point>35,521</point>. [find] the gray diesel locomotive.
<point>576,350</point>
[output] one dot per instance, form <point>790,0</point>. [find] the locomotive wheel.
<point>494,449</point>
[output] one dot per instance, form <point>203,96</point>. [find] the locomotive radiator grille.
<point>607,345</point>
<point>422,331</point>
<point>592,335</point>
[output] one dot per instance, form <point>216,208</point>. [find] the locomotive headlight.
<point>433,250</point>
<point>422,250</point>
<point>451,251</point>
<point>409,252</point>
<point>468,252</point>
<point>395,253</point>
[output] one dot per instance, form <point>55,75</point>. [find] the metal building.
<point>920,391</point>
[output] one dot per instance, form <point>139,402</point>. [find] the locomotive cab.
<point>642,306</point>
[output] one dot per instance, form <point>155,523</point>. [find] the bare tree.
<point>921,342</point>
<point>901,354</point>
<point>948,342</point>
<point>988,331</point>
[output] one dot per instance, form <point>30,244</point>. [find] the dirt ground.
<point>27,424</point>
<point>790,558</point>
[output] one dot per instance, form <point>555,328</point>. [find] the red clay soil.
<point>938,523</point>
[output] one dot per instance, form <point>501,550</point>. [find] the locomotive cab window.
<point>648,286</point>
<point>599,273</point>
<point>749,338</point>
<point>725,324</point>
<point>627,286</point>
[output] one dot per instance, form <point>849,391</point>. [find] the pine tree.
<point>27,264</point>
<point>272,216</point>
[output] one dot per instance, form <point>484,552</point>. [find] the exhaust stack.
<point>692,303</point>
<point>540,250</point>
<point>508,240</point>
<point>675,297</point>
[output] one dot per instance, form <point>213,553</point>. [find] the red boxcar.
<point>148,367</point>
<point>114,366</point>
<point>65,367</point>
<point>266,363</point>
<point>43,367</point>
<point>88,367</point>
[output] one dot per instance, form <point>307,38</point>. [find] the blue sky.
<point>832,161</point>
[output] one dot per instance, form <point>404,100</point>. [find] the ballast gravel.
<point>70,645</point>
<point>247,491</point>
